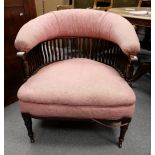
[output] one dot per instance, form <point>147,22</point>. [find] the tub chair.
<point>77,65</point>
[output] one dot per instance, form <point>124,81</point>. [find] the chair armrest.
<point>21,55</point>
<point>133,58</point>
<point>31,61</point>
<point>130,68</point>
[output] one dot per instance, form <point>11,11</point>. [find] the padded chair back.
<point>78,23</point>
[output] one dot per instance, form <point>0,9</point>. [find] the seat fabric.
<point>77,87</point>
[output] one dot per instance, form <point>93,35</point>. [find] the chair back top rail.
<point>78,23</point>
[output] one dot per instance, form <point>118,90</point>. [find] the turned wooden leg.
<point>123,130</point>
<point>28,123</point>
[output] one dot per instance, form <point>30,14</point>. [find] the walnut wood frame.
<point>59,49</point>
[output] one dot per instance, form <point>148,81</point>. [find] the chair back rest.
<point>78,23</point>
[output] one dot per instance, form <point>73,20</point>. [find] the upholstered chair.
<point>77,65</point>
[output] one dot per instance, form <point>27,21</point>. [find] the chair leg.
<point>28,123</point>
<point>123,130</point>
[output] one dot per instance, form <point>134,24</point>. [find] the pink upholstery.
<point>82,112</point>
<point>74,22</point>
<point>78,88</point>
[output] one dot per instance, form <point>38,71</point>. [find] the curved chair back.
<point>78,23</point>
<point>83,33</point>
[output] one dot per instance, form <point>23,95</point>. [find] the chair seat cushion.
<point>77,82</point>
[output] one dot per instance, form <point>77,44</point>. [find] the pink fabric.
<point>78,22</point>
<point>76,82</point>
<point>82,112</point>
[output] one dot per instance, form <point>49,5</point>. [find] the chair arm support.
<point>130,68</point>
<point>23,55</point>
<point>31,61</point>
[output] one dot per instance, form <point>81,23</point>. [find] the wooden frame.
<point>76,47</point>
<point>60,49</point>
<point>125,121</point>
